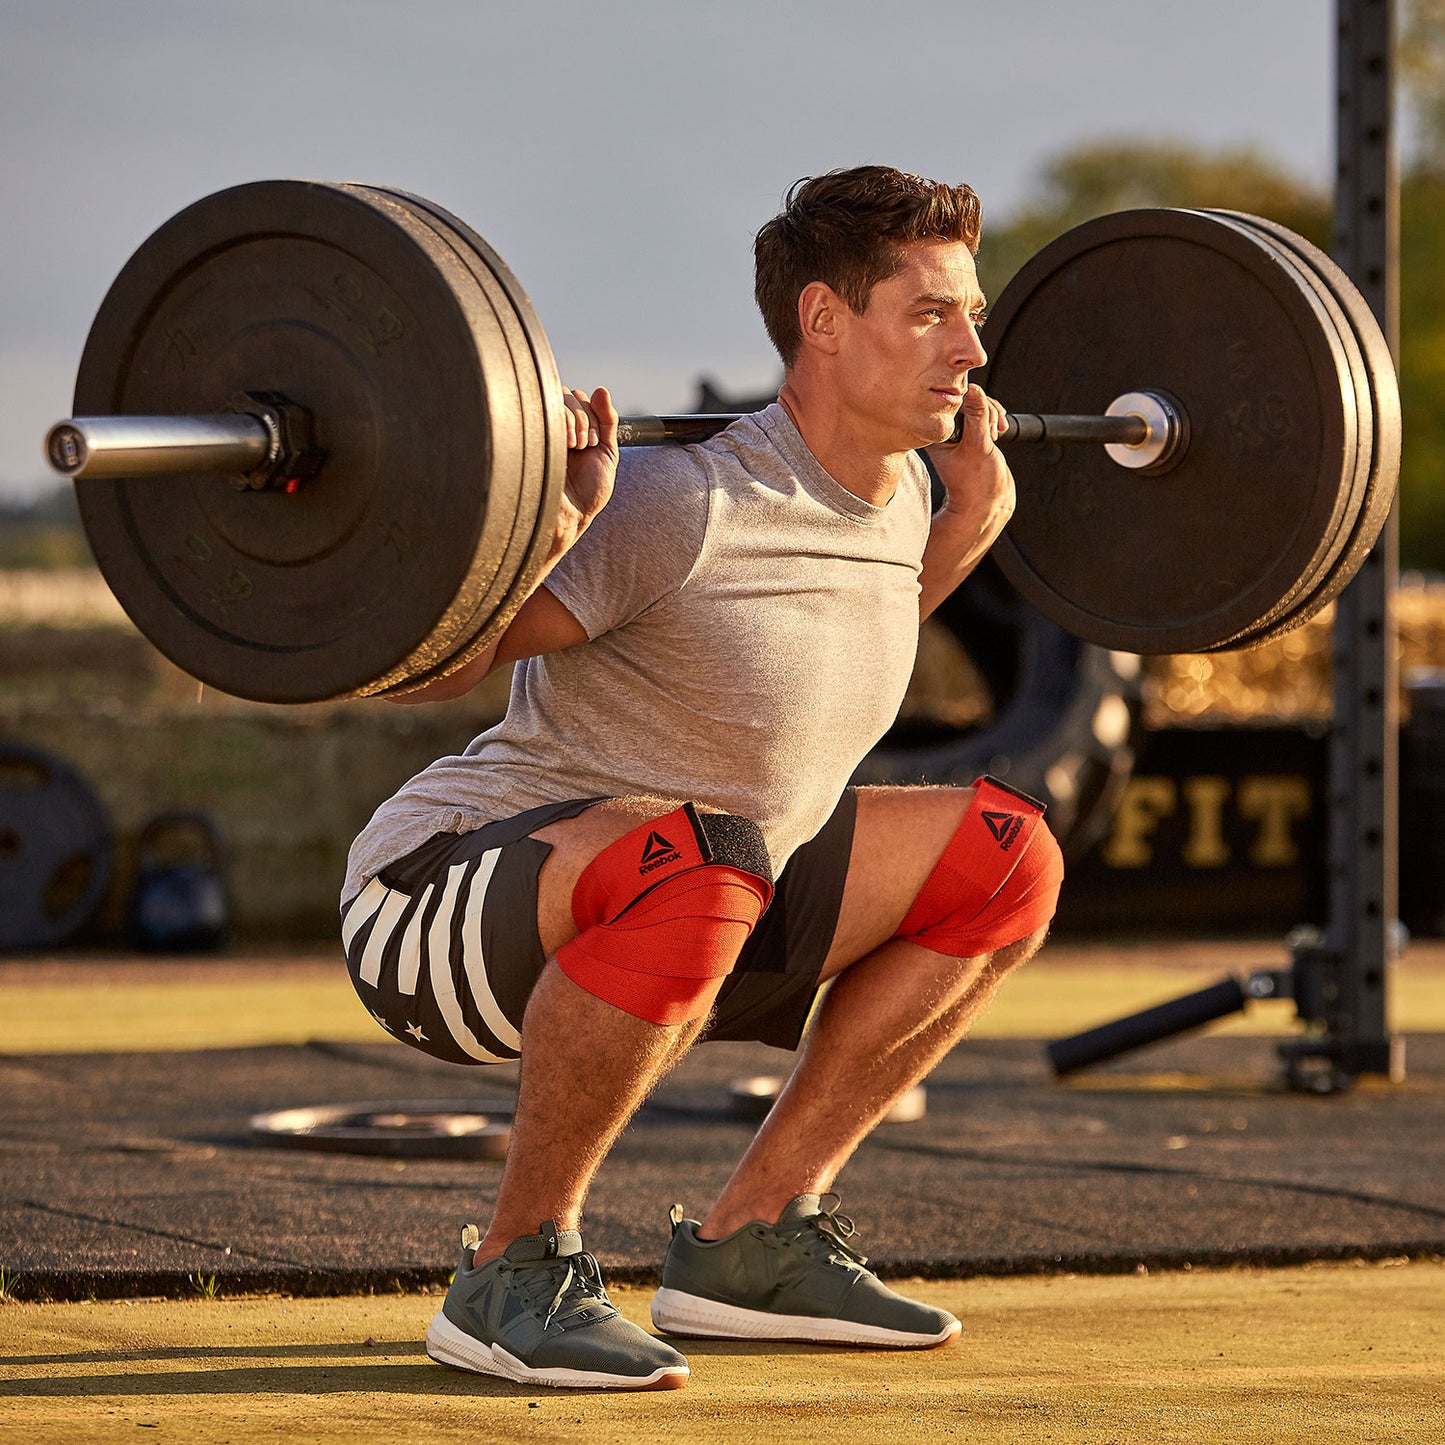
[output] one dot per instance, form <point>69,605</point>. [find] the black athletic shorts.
<point>442,945</point>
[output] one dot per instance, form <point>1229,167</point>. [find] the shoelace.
<point>576,1270</point>
<point>834,1230</point>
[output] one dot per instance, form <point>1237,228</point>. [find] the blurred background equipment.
<point>55,849</point>
<point>1422,803</point>
<point>180,901</point>
<point>1059,719</point>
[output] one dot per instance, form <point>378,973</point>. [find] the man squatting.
<point>658,843</point>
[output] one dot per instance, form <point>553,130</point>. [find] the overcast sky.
<point>619,156</point>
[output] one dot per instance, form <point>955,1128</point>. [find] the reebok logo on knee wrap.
<point>997,882</point>
<point>663,913</point>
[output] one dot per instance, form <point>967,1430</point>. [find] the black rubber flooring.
<point>131,1174</point>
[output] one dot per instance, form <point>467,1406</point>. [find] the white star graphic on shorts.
<point>415,1031</point>
<point>381,1020</point>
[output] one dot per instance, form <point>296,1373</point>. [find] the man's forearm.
<point>956,545</point>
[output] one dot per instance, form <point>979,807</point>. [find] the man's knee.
<point>997,884</point>
<point>662,913</point>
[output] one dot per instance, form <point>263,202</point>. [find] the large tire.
<point>1056,716</point>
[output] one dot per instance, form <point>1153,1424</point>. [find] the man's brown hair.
<point>847,229</point>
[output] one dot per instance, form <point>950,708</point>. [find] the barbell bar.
<point>242,444</point>
<point>384,455</point>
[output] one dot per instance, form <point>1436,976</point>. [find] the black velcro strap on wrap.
<point>736,841</point>
<point>1023,797</point>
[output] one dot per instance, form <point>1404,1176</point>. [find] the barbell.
<point>318,444</point>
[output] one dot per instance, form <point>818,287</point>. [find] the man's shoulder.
<point>684,475</point>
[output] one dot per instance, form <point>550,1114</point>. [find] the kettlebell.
<point>180,903</point>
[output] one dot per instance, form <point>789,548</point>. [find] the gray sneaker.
<point>539,1314</point>
<point>797,1279</point>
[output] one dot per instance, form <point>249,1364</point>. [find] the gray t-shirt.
<point>752,631</point>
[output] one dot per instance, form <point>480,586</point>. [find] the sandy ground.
<point>1323,1354</point>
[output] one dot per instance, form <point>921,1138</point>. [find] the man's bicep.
<point>541,625</point>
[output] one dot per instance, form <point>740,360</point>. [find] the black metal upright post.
<point>1352,1034</point>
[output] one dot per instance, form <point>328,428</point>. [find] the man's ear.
<point>821,315</point>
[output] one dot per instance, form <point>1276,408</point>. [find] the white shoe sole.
<point>448,1345</point>
<point>677,1313</point>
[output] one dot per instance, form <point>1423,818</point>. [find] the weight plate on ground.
<point>1382,388</point>
<point>342,301</point>
<point>1174,301</point>
<point>752,1098</point>
<point>413,1130</point>
<point>55,849</point>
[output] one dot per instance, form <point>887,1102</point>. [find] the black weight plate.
<point>477,607</point>
<point>1311,595</point>
<point>544,437</point>
<point>555,454</point>
<point>339,299</point>
<point>1383,392</point>
<point>1179,302</point>
<point>531,437</point>
<point>512,301</point>
<point>55,849</point>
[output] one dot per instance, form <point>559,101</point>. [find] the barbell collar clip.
<point>1166,431</point>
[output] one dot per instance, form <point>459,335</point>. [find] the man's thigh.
<point>575,842</point>
<point>899,836</point>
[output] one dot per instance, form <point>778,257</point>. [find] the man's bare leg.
<point>892,1010</point>
<point>586,1069</point>
<point>883,1026</point>
<point>586,1065</point>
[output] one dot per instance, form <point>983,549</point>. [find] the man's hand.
<point>591,465</point>
<point>974,471</point>
<point>980,501</point>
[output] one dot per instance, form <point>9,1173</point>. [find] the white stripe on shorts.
<point>387,917</point>
<point>475,962</point>
<point>360,909</point>
<point>439,940</point>
<point>408,963</point>
<point>444,987</point>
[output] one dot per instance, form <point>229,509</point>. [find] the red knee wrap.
<point>664,913</point>
<point>997,881</point>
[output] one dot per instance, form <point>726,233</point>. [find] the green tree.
<point>1422,71</point>
<point>1422,367</point>
<point>1105,176</point>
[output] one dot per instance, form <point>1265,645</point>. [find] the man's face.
<point>904,363</point>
